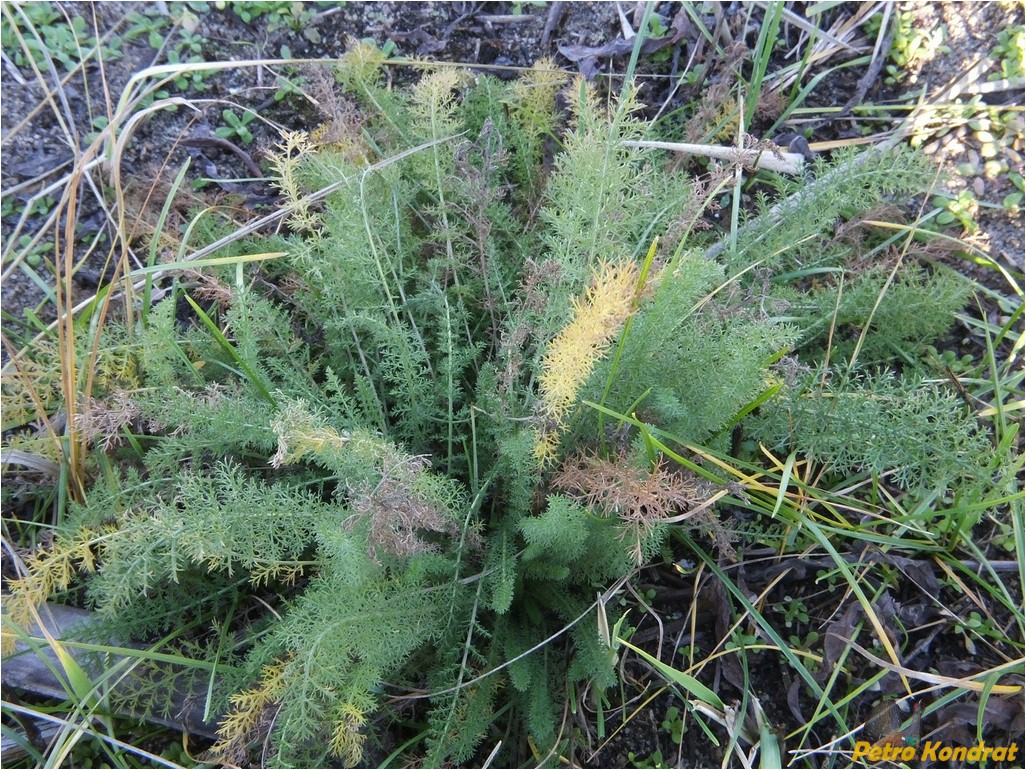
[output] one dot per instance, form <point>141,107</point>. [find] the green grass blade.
<point>252,376</point>
<point>151,259</point>
<point>689,683</point>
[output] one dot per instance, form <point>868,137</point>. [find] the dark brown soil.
<point>492,35</point>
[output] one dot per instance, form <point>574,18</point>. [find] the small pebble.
<point>994,168</point>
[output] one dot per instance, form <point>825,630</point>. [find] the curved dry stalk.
<point>971,682</point>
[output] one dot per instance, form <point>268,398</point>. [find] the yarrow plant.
<point>399,461</point>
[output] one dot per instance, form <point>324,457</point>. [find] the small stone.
<point>995,168</point>
<point>978,187</point>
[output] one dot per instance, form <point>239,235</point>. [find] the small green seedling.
<point>961,209</point>
<point>237,126</point>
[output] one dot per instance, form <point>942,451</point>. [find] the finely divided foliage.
<point>398,447</point>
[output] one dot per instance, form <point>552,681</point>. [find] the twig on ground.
<point>555,13</point>
<point>223,144</point>
<point>783,162</point>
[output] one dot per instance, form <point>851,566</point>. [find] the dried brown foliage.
<point>100,420</point>
<point>399,511</point>
<point>342,119</point>
<point>641,499</point>
<point>531,299</point>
